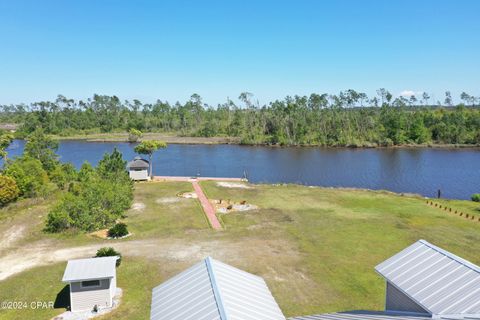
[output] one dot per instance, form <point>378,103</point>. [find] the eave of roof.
<point>376,315</point>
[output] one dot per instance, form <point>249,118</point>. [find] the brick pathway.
<point>207,206</point>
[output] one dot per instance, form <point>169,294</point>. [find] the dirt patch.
<point>234,185</point>
<point>226,206</point>
<point>167,200</point>
<point>188,195</point>
<point>241,253</point>
<point>138,206</point>
<point>12,235</point>
<point>102,234</point>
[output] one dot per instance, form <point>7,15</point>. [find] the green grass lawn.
<point>164,214</point>
<point>315,247</point>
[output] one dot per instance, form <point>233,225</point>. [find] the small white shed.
<point>93,282</point>
<point>138,169</point>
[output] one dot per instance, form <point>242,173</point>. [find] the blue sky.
<point>171,49</point>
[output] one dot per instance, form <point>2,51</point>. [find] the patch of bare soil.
<point>233,185</point>
<point>242,253</point>
<point>226,206</point>
<point>167,200</point>
<point>102,234</point>
<point>138,206</point>
<point>188,195</point>
<point>12,235</point>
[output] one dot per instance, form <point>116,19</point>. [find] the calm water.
<point>423,171</point>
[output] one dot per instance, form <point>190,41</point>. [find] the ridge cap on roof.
<point>96,258</point>
<point>216,289</point>
<point>450,255</point>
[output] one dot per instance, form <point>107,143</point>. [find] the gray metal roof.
<point>138,163</point>
<point>91,268</point>
<point>212,290</point>
<point>437,280</point>
<point>371,315</point>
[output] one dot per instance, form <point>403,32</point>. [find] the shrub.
<point>29,175</point>
<point>63,174</point>
<point>134,135</point>
<point>8,190</point>
<point>118,230</point>
<point>109,252</point>
<point>57,221</point>
<point>77,211</point>
<point>96,199</point>
<point>476,197</point>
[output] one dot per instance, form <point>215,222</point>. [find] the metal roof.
<point>138,163</point>
<point>91,268</point>
<point>212,290</point>
<point>372,315</point>
<point>437,280</point>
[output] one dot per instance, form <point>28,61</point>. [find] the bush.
<point>78,211</point>
<point>109,252</point>
<point>63,174</point>
<point>8,190</point>
<point>96,198</point>
<point>118,230</point>
<point>476,197</point>
<point>57,221</point>
<point>29,175</point>
<point>134,135</point>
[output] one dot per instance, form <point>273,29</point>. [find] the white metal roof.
<point>437,280</point>
<point>212,290</point>
<point>91,268</point>
<point>371,315</point>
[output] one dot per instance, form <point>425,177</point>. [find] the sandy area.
<point>167,200</point>
<point>138,206</point>
<point>43,253</point>
<point>235,185</point>
<point>12,235</point>
<point>188,195</point>
<point>226,206</point>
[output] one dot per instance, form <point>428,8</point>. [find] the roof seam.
<point>216,289</point>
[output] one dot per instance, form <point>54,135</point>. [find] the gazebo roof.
<point>138,163</point>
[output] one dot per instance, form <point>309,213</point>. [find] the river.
<point>456,172</point>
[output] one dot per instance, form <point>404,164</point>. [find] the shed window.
<point>91,283</point>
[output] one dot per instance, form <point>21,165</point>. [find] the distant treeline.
<point>347,119</point>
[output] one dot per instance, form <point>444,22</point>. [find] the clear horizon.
<point>170,50</point>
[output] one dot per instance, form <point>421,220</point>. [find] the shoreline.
<point>172,139</point>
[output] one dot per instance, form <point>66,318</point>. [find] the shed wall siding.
<point>87,298</point>
<point>139,174</point>
<point>113,287</point>
<point>398,301</point>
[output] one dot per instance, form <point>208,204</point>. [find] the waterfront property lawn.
<point>161,213</point>
<point>315,247</point>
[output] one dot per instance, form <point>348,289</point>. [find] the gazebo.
<point>138,169</point>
